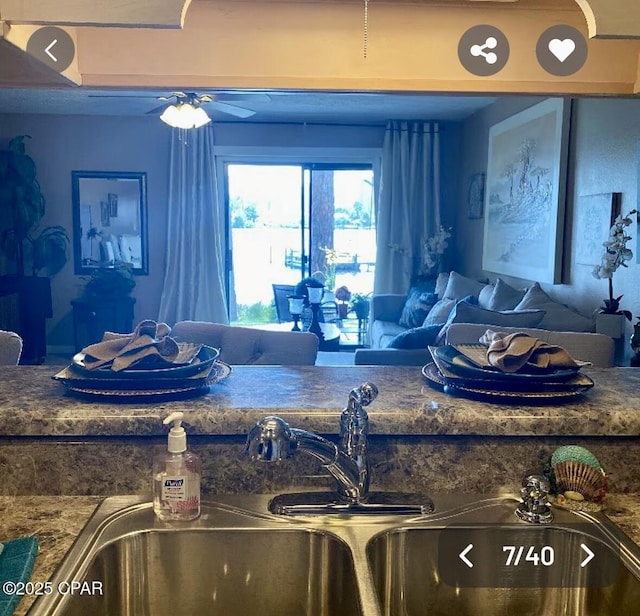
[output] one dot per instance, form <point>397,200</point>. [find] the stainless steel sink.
<point>221,572</point>
<point>238,559</point>
<point>419,570</point>
<point>231,561</point>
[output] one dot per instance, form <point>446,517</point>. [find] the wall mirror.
<point>109,220</point>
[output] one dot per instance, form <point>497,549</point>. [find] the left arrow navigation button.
<point>463,556</point>
<point>52,46</point>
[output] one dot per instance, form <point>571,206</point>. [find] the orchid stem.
<point>611,289</point>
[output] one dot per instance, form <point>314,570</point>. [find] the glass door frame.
<point>314,159</point>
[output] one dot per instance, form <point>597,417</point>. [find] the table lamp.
<point>296,305</point>
<point>315,297</point>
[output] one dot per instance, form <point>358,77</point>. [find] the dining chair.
<point>10,348</point>
<point>280,293</point>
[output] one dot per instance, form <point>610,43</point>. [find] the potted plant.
<point>360,304</point>
<point>610,319</point>
<point>635,338</point>
<point>110,283</point>
<point>343,295</point>
<point>33,250</point>
<point>23,204</point>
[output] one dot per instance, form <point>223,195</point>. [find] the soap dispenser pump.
<point>176,476</point>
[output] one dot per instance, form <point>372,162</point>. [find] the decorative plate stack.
<point>191,373</point>
<point>463,369</point>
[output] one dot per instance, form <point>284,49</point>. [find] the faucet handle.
<point>365,394</point>
<point>535,488</point>
<point>535,504</point>
<point>269,440</point>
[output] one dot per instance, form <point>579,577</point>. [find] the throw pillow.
<point>416,308</point>
<point>558,317</point>
<point>440,312</point>
<point>459,286</point>
<point>504,296</point>
<point>441,284</point>
<point>415,338</point>
<point>484,297</point>
<point>464,312</point>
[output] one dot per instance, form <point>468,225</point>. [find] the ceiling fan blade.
<point>122,96</point>
<point>157,110</point>
<point>238,112</point>
<point>245,97</point>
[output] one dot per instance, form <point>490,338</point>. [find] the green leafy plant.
<point>360,304</point>
<point>23,204</point>
<point>331,261</point>
<point>108,282</point>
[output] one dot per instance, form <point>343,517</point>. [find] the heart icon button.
<point>562,49</point>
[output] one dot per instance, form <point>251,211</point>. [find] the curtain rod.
<point>335,124</point>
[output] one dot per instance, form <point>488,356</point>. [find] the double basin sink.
<point>238,559</point>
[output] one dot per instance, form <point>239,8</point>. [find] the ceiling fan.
<point>224,102</point>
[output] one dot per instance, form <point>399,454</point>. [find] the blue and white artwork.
<point>524,195</point>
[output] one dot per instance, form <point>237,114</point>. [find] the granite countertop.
<point>57,520</point>
<point>32,404</point>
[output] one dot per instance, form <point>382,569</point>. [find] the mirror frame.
<point>141,177</point>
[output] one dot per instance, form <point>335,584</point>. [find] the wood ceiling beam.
<point>115,13</point>
<point>18,36</point>
<point>612,18</point>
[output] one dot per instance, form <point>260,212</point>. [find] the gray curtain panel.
<point>409,203</point>
<point>194,286</point>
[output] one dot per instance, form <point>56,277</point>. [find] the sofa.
<point>248,345</point>
<point>402,326</point>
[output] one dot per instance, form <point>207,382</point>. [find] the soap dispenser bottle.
<point>176,477</point>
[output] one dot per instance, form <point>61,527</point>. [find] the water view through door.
<point>282,220</point>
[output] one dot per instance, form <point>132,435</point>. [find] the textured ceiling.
<point>349,108</point>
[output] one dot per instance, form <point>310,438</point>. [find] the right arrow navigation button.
<point>589,553</point>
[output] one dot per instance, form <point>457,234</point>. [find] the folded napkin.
<point>122,351</point>
<point>511,352</point>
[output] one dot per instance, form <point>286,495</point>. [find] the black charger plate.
<point>202,361</point>
<point>458,364</point>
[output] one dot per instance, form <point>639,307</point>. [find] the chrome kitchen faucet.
<point>272,439</point>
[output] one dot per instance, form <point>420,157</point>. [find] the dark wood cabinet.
<point>93,317</point>
<point>25,305</point>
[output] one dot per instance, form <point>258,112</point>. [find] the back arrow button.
<point>41,44</point>
<point>463,556</point>
<point>48,50</point>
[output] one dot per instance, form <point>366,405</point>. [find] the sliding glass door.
<point>288,221</point>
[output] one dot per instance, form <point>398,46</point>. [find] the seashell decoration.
<point>578,473</point>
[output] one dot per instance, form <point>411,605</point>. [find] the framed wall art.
<point>594,215</point>
<point>475,198</point>
<point>525,193</point>
<point>109,220</point>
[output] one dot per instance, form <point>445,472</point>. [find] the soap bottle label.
<point>180,493</point>
<point>174,488</point>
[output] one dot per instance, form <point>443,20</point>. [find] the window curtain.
<point>408,204</point>
<point>194,272</point>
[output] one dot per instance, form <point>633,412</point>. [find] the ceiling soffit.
<point>143,13</point>
<point>605,18</point>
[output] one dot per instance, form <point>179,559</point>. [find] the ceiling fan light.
<point>185,115</point>
<point>199,117</point>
